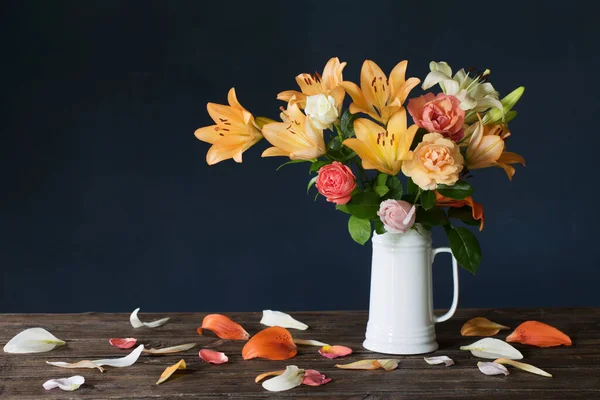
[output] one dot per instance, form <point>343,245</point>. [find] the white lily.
<point>474,93</point>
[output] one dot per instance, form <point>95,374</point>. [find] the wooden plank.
<point>576,369</point>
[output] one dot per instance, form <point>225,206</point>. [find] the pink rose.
<point>336,182</point>
<point>441,114</point>
<point>397,215</point>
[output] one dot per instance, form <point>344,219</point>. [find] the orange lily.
<point>378,96</point>
<point>380,148</point>
<point>295,138</point>
<point>235,131</point>
<point>486,148</point>
<point>476,208</point>
<point>327,84</point>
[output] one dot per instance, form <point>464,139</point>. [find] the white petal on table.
<point>439,360</point>
<point>32,340</point>
<point>136,323</point>
<point>67,384</point>
<point>493,348</point>
<point>291,378</point>
<point>278,318</point>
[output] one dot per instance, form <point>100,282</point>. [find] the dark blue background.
<point>108,204</point>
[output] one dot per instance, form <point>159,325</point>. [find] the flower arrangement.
<point>367,159</point>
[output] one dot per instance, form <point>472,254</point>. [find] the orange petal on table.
<point>538,334</point>
<point>274,343</point>
<point>362,364</point>
<point>223,327</point>
<point>481,327</point>
<point>267,374</point>
<point>314,378</point>
<point>213,357</point>
<point>335,351</point>
<point>170,370</point>
<point>126,343</point>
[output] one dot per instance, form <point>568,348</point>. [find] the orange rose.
<point>436,160</point>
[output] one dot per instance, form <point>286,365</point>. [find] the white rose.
<point>322,110</point>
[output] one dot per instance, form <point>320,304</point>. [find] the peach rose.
<point>336,182</point>
<point>435,160</point>
<point>441,113</point>
<point>397,215</point>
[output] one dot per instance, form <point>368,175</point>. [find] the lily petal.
<point>492,368</point>
<point>172,349</point>
<point>213,357</point>
<point>335,351</point>
<point>273,343</point>
<point>362,364</point>
<point>388,365</point>
<point>314,378</point>
<point>493,348</point>
<point>67,384</point>
<point>224,327</point>
<point>481,327</point>
<point>136,323</point>
<point>523,366</point>
<point>170,371</point>
<point>126,361</point>
<point>126,343</point>
<point>309,342</point>
<point>538,334</point>
<point>278,318</point>
<point>291,378</point>
<point>80,364</point>
<point>439,360</point>
<point>267,374</point>
<point>33,340</point>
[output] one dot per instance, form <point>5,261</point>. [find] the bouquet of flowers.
<point>385,174</point>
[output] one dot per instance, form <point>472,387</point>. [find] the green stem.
<point>417,196</point>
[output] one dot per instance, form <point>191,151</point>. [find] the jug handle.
<point>452,309</point>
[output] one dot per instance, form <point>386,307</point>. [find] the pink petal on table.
<point>335,351</point>
<point>126,343</point>
<point>314,378</point>
<point>213,357</point>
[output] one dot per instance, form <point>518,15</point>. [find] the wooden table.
<point>576,369</point>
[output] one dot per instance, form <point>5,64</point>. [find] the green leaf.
<point>342,208</point>
<point>381,190</point>
<point>465,214</point>
<point>395,186</point>
<point>364,205</point>
<point>291,162</point>
<point>458,191</point>
<point>379,228</point>
<point>465,248</point>
<point>360,229</point>
<point>411,187</point>
<point>381,180</point>
<point>311,182</point>
<point>433,217</point>
<point>347,123</point>
<point>318,164</point>
<point>428,199</point>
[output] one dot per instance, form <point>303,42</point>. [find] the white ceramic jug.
<point>401,319</point>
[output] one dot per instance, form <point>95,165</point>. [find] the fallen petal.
<point>278,318</point>
<point>80,364</point>
<point>171,350</point>
<point>538,334</point>
<point>126,361</point>
<point>136,323</point>
<point>170,370</point>
<point>493,348</point>
<point>213,357</point>
<point>523,366</point>
<point>310,342</point>
<point>223,327</point>
<point>388,365</point>
<point>67,384</point>
<point>334,351</point>
<point>439,360</point>
<point>481,327</point>
<point>273,343</point>
<point>362,364</point>
<point>492,368</point>
<point>291,378</point>
<point>32,340</point>
<point>314,378</point>
<point>266,374</point>
<point>126,343</point>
